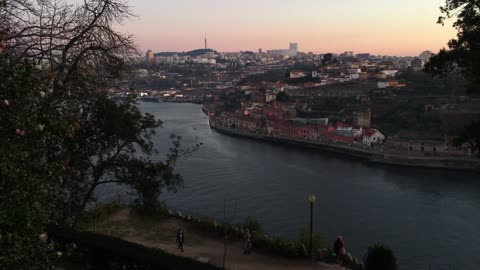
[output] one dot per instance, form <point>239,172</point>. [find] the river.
<point>430,218</point>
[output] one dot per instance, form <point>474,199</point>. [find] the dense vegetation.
<point>462,56</point>
<point>61,136</point>
<point>380,257</point>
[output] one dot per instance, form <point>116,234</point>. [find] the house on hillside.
<point>373,136</point>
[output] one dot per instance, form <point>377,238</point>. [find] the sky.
<point>380,27</point>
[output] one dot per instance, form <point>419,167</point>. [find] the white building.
<point>382,85</point>
<point>373,136</point>
<point>425,56</point>
<point>269,97</point>
<point>294,74</point>
<point>390,72</point>
<point>291,51</point>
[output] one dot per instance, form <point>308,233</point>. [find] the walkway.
<point>161,234</point>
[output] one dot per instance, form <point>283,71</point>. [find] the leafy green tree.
<point>28,181</point>
<point>380,257</point>
<point>149,179</point>
<point>462,55</point>
<point>103,142</point>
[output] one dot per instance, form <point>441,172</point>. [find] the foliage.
<point>232,99</point>
<point>149,179</point>
<point>282,96</point>
<point>269,76</point>
<point>61,135</point>
<point>463,53</point>
<point>98,214</point>
<point>380,257</point>
<point>28,181</point>
<point>470,136</point>
<point>251,224</point>
<point>318,240</point>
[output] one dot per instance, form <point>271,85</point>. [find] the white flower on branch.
<point>43,238</point>
<point>20,132</point>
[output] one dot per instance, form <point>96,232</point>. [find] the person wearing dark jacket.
<point>339,247</point>
<point>180,239</point>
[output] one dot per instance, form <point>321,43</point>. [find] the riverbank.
<point>377,157</point>
<point>160,233</point>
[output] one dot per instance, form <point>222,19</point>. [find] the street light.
<point>311,200</point>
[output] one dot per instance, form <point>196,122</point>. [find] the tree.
<point>101,145</point>
<point>380,257</point>
<point>462,55</point>
<point>148,179</point>
<point>282,96</point>
<point>28,182</point>
<point>61,135</point>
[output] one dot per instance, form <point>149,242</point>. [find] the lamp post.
<point>311,200</point>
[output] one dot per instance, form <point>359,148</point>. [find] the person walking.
<point>180,239</point>
<point>247,246</point>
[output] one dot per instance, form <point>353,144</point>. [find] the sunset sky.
<point>386,27</point>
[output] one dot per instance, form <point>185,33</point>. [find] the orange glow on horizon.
<point>399,27</point>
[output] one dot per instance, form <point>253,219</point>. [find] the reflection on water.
<point>429,217</point>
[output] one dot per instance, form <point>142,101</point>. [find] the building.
<point>363,56</point>
<point>373,136</point>
<point>270,96</point>
<point>278,52</point>
<point>328,59</point>
<point>293,49</point>
<point>295,74</point>
<point>382,85</point>
<point>417,64</point>
<point>425,56</point>
<point>150,57</point>
<point>363,118</point>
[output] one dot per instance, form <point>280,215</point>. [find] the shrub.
<point>380,257</point>
<point>252,225</point>
<point>158,211</point>
<point>318,240</point>
<point>100,213</point>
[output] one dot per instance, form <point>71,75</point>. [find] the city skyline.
<point>401,28</point>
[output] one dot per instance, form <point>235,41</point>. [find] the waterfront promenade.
<point>369,154</point>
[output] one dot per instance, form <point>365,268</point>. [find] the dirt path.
<point>161,234</point>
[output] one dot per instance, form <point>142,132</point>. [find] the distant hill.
<point>193,53</point>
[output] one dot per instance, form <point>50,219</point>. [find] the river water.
<point>430,218</point>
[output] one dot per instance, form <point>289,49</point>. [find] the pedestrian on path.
<point>247,246</point>
<point>180,239</point>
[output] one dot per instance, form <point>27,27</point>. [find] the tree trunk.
<point>86,199</point>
